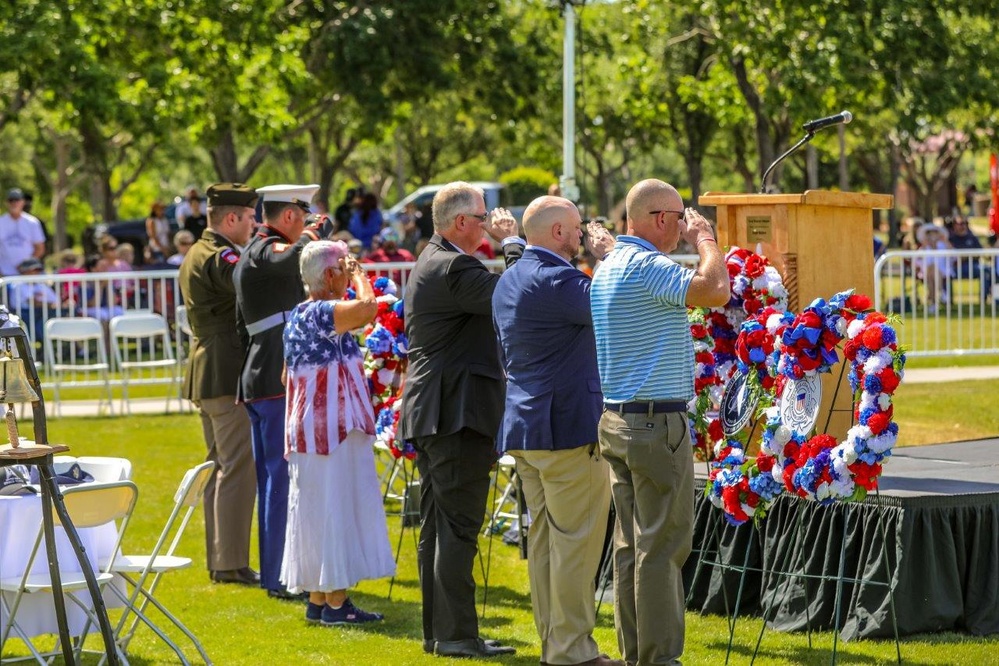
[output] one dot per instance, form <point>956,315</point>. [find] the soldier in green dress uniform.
<point>212,376</point>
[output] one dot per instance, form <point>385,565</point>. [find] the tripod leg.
<point>50,495</point>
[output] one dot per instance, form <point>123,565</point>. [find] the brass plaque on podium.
<point>758,229</point>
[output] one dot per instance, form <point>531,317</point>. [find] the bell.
<point>14,384</point>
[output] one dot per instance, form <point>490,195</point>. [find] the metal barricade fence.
<point>101,296</point>
<point>104,296</point>
<point>946,299</point>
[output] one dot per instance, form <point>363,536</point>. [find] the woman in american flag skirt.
<point>336,534</point>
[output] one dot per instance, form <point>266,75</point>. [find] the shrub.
<point>526,183</point>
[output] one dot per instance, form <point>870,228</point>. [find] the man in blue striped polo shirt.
<point>645,355</point>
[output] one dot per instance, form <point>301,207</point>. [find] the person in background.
<point>933,271</point>
<point>647,378</point>
<point>158,232</point>
<point>343,212</point>
<point>356,248</point>
<point>184,207</point>
<point>29,204</point>
<point>336,534</point>
<point>110,262</point>
<point>21,234</point>
<point>126,253</point>
<point>389,252</point>
<point>969,198</point>
<point>366,221</point>
<point>69,264</point>
<point>410,221</point>
<point>34,301</point>
<point>196,222</point>
<point>963,238</point>
<point>182,240</point>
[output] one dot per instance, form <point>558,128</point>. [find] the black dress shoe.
<point>244,576</point>
<point>283,594</point>
<point>471,647</point>
<point>429,643</point>
<point>251,574</point>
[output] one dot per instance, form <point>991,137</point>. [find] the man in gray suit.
<point>451,409</point>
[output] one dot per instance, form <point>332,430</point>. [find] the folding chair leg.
<point>108,393</point>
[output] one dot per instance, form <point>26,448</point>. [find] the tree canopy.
<point>106,105</point>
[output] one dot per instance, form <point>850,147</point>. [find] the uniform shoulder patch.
<point>229,256</point>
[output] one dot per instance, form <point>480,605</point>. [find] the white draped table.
<point>20,518</point>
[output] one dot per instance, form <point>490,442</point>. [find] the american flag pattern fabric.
<point>327,392</point>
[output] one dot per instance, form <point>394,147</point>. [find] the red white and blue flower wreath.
<point>819,467</point>
<point>385,362</point>
<point>755,285</point>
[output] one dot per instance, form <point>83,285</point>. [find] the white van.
<point>496,194</point>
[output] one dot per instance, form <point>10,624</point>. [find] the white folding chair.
<point>137,569</point>
<point>76,334</point>
<point>106,469</point>
<point>183,324</point>
<point>143,329</point>
<point>504,507</point>
<point>88,505</point>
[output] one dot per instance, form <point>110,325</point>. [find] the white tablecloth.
<point>20,518</point>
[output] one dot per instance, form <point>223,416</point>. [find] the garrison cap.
<point>232,194</point>
<point>300,195</point>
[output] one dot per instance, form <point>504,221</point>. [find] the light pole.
<point>567,181</point>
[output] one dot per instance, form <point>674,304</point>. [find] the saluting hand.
<point>500,224</point>
<point>697,227</point>
<point>599,241</point>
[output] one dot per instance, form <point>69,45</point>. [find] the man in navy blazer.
<point>541,311</point>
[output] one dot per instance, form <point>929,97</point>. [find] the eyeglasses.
<point>481,217</point>
<point>656,212</point>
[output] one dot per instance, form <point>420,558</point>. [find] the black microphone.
<point>813,126</point>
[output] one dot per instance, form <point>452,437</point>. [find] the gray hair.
<point>316,258</point>
<point>452,200</point>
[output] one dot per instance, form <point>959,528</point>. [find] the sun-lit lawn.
<point>242,626</point>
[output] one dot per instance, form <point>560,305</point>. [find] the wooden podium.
<point>821,242</point>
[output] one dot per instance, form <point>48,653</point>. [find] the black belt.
<point>646,406</point>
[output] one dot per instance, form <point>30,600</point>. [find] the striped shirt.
<point>327,392</point>
<point>638,301</point>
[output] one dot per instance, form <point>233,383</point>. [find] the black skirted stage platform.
<point>935,526</point>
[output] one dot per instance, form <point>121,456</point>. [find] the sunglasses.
<point>679,213</point>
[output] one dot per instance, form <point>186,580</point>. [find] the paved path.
<point>934,375</point>
<point>158,405</point>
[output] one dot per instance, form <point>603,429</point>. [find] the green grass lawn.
<point>242,626</point>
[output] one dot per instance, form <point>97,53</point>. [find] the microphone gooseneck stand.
<point>40,455</point>
<point>811,127</point>
<point>763,184</point>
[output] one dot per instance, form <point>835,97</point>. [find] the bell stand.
<point>789,573</point>
<point>408,475</point>
<point>40,455</point>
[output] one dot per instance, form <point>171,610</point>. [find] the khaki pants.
<point>231,491</point>
<point>652,481</point>
<point>568,495</point>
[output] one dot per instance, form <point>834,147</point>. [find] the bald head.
<point>554,224</point>
<point>654,209</point>
<point>650,195</point>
